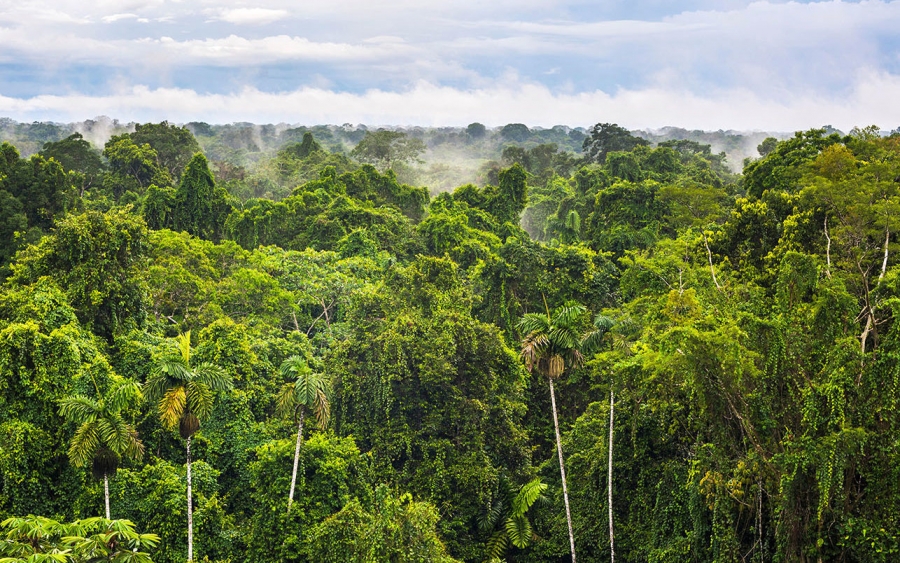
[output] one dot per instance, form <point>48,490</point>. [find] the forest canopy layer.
<point>324,344</point>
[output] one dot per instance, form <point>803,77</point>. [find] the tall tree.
<point>551,342</point>
<point>103,437</point>
<point>200,208</point>
<point>174,146</point>
<point>309,391</point>
<point>605,138</point>
<point>186,394</point>
<point>76,155</point>
<point>385,148</point>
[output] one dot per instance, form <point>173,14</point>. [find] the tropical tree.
<point>186,394</point>
<point>510,512</point>
<point>383,149</point>
<point>309,391</point>
<point>552,342</point>
<point>103,437</point>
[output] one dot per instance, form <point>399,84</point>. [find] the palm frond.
<point>124,392</point>
<point>183,342</point>
<point>518,528</point>
<point>592,341</point>
<point>533,347</point>
<point>496,545</point>
<point>200,398</point>
<point>84,444</point>
<point>490,517</point>
<point>533,322</point>
<point>79,409</point>
<point>322,408</point>
<point>568,315</point>
<point>157,385</point>
<point>171,406</point>
<point>212,376</point>
<point>120,437</point>
<point>286,401</point>
<point>563,338</point>
<point>527,496</point>
<point>169,371</point>
<point>603,323</point>
<point>135,449</point>
<point>294,367</point>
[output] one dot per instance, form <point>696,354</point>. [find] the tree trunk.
<point>562,470</point>
<point>712,268</point>
<point>190,513</point>
<point>609,478</point>
<point>106,493</point>
<point>296,459</point>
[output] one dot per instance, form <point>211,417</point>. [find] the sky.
<point>700,64</point>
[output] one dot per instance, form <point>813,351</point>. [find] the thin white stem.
<point>296,459</point>
<point>190,513</point>
<point>712,269</point>
<point>827,250</point>
<point>609,478</point>
<point>562,470</point>
<point>106,493</point>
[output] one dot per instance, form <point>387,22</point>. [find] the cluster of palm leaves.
<point>36,539</point>
<point>184,392</point>
<point>507,518</point>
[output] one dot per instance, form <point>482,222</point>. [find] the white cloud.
<point>116,17</point>
<point>871,101</point>
<point>235,50</point>
<point>251,16</point>
<point>762,56</point>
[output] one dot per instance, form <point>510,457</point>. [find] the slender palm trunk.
<point>106,493</point>
<point>562,469</point>
<point>609,478</point>
<point>190,501</point>
<point>296,459</point>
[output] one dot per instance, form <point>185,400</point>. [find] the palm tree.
<point>186,395</point>
<point>551,342</point>
<point>309,390</point>
<point>103,437</point>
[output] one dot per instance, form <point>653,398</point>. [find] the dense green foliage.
<point>743,323</point>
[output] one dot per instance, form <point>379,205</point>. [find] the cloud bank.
<point>871,101</point>
<point>714,64</point>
